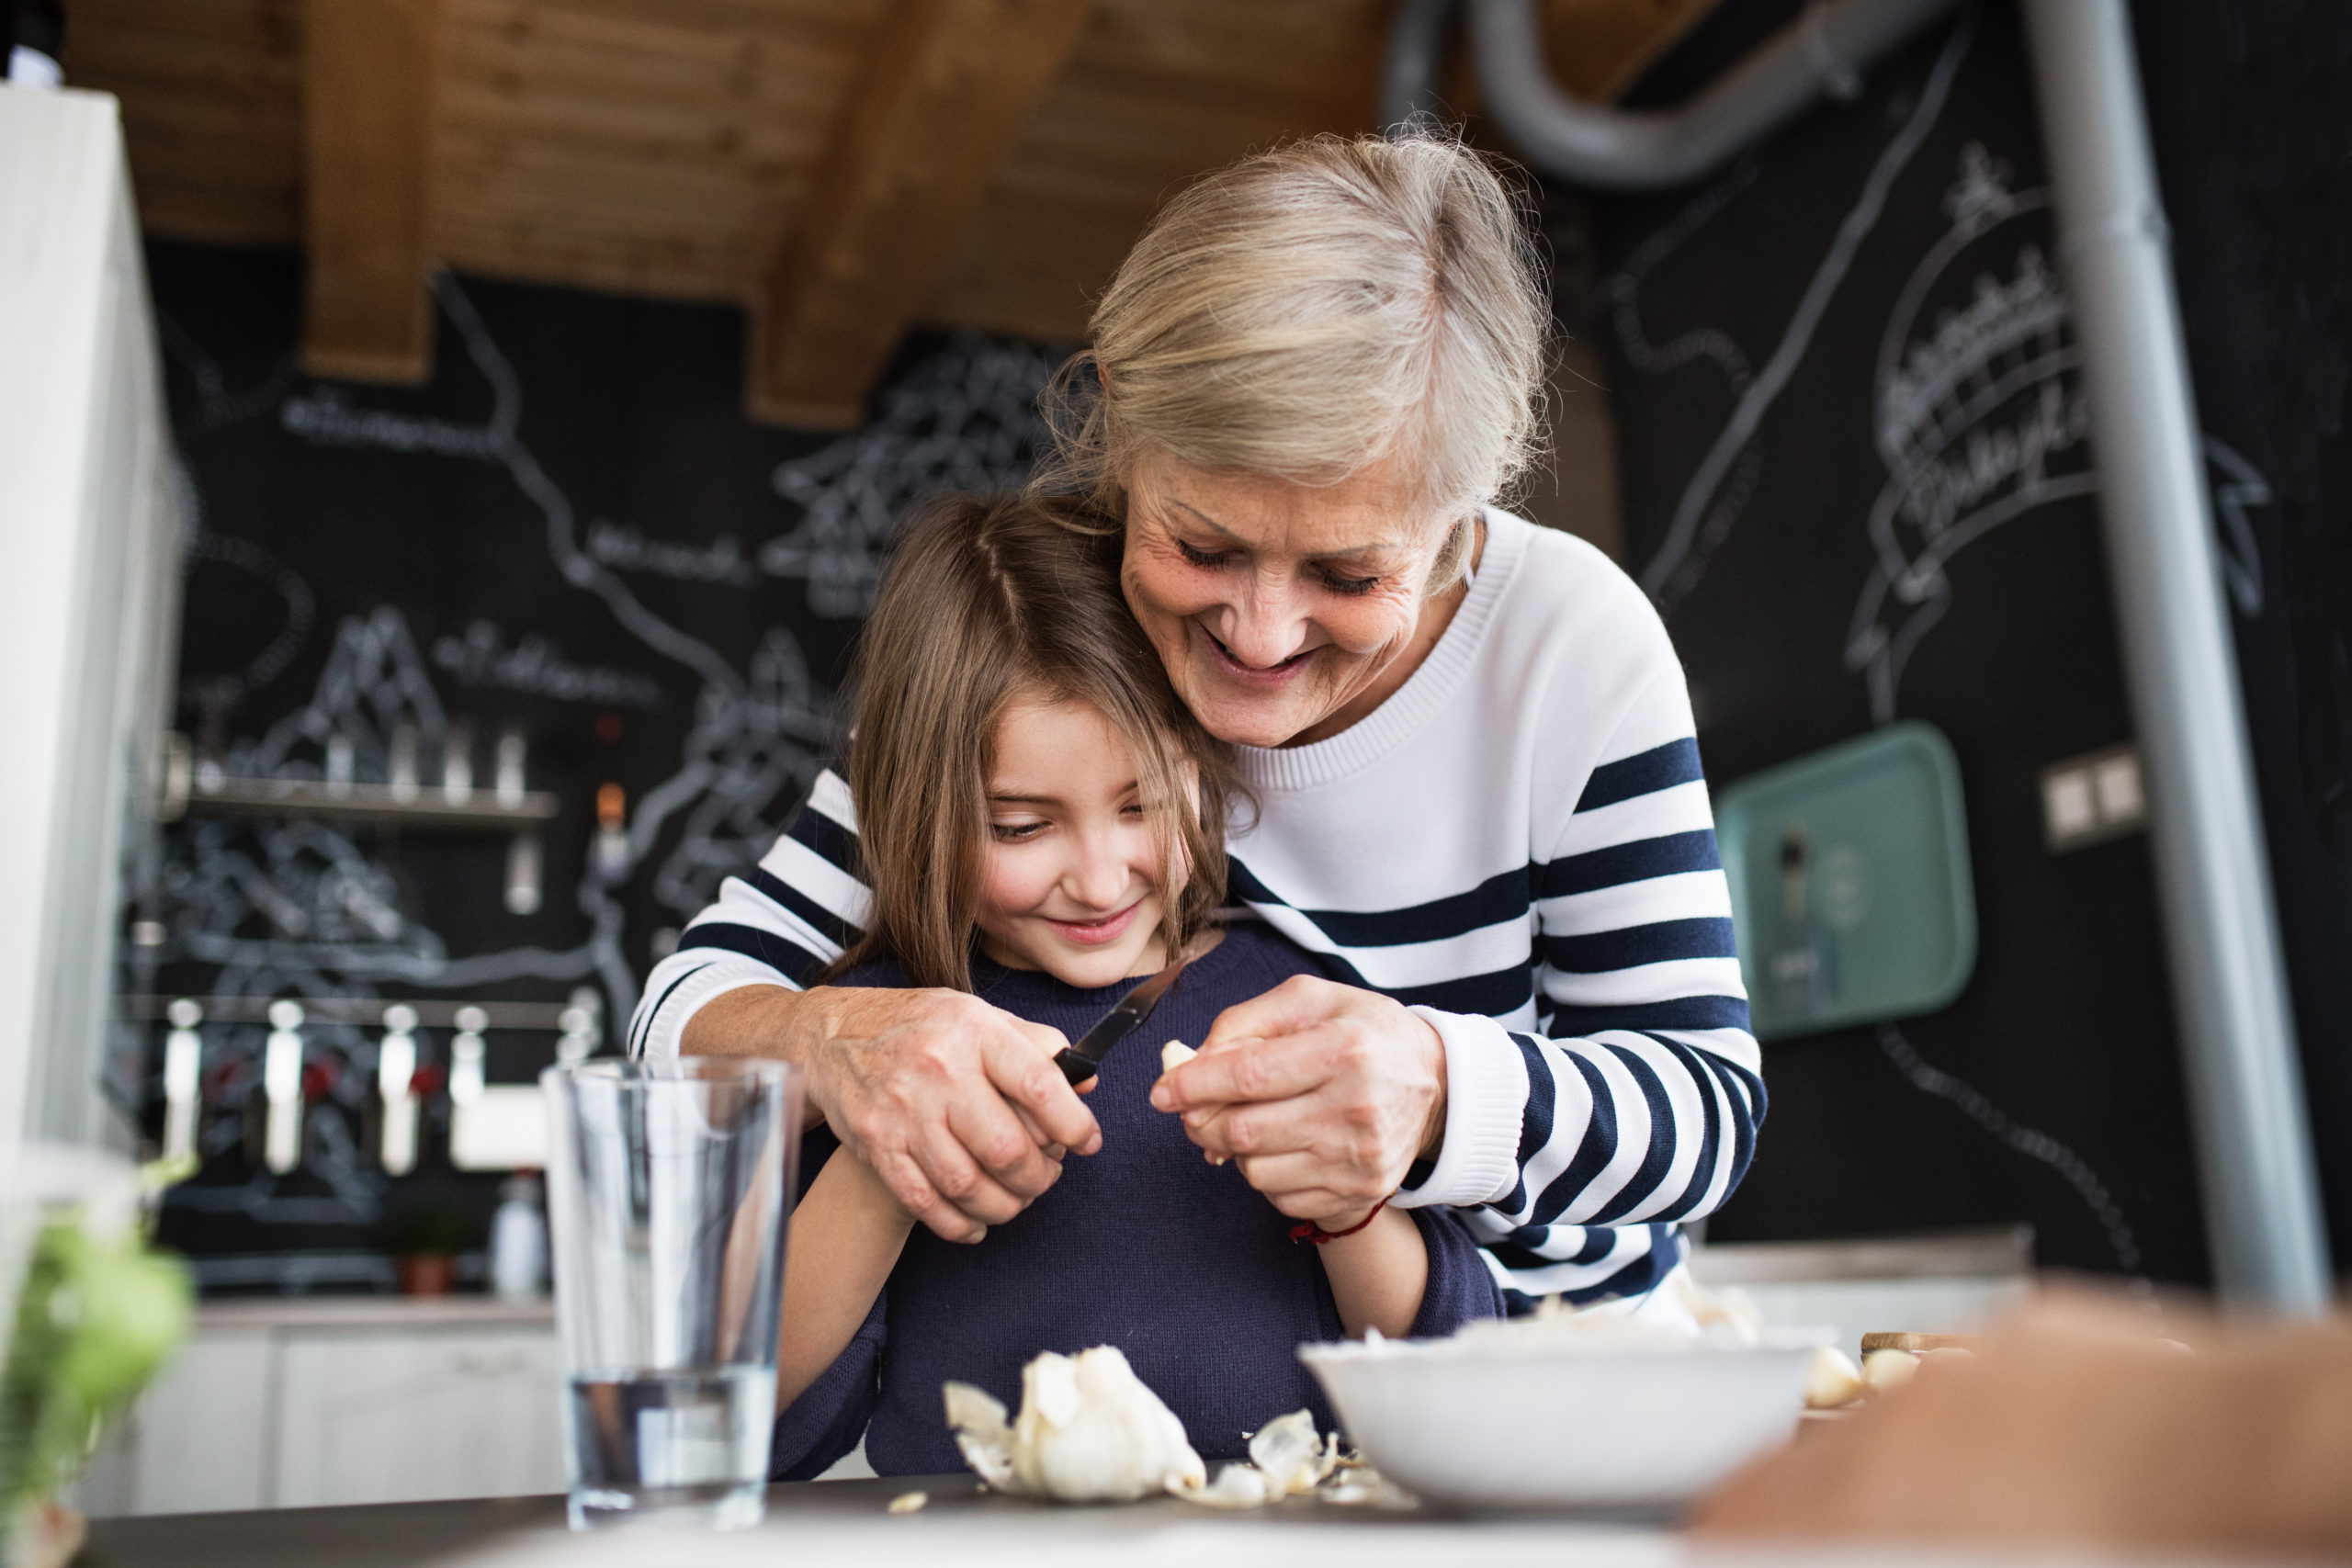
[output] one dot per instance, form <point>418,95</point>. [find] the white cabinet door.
<point>400,1417</point>
<point>201,1432</point>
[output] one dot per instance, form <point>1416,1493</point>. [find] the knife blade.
<point>1083,1060</point>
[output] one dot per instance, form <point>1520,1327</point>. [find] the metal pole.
<point>2262,1209</point>
<point>1415,55</point>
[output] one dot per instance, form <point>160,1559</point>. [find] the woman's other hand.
<point>2088,1422</point>
<point>1325,1093</point>
<point>955,1104</point>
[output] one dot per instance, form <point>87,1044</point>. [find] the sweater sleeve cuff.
<point>1486,1095</point>
<point>672,1003</point>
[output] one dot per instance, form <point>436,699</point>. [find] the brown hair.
<point>1310,309</point>
<point>989,599</point>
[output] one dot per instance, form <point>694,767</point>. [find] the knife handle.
<point>1075,1067</point>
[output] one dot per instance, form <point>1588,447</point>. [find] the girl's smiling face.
<point>1070,879</point>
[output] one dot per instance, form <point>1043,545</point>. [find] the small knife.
<point>1083,1060</point>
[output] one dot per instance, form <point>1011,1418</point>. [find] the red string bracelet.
<point>1308,1230</point>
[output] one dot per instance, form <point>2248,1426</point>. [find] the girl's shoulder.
<point>880,973</point>
<point>1254,958</point>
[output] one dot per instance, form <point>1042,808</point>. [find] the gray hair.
<point>1313,310</point>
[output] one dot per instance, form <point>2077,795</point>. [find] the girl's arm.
<point>1378,1274</point>
<point>1412,1273</point>
<point>848,1232</point>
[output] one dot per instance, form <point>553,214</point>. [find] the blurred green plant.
<point>95,1317</point>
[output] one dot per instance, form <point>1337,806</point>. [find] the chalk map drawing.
<point>1978,416</point>
<point>1716,492</point>
<point>964,420</point>
<point>303,909</point>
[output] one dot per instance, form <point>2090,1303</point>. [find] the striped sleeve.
<point>1638,1096</point>
<point>779,923</point>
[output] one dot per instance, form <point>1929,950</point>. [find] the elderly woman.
<point>1479,799</point>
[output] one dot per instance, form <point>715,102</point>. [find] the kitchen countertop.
<point>846,1521</point>
<point>824,1522</point>
<point>264,1313</point>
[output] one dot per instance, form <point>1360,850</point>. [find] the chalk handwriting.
<point>1980,417</point>
<point>624,549</point>
<point>533,664</point>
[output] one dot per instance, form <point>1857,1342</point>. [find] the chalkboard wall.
<point>2252,132</point>
<point>571,532</point>
<point>1856,479</point>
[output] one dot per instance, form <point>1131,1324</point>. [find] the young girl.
<point>1041,819</point>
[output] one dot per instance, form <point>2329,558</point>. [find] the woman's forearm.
<point>1378,1275</point>
<point>846,1236</point>
<point>772,1022</point>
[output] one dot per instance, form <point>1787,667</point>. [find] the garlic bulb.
<point>1088,1431</point>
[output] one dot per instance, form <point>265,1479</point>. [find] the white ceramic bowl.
<point>1550,1423</point>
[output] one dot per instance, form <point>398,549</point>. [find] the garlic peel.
<point>1729,1314</point>
<point>1237,1486</point>
<point>1292,1455</point>
<point>982,1435</point>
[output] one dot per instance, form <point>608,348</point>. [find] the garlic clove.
<point>1174,1055</point>
<point>1884,1370</point>
<point>1831,1380</point>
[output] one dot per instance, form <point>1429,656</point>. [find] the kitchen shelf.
<point>478,811</point>
<point>364,1012</point>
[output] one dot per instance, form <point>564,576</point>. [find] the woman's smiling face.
<point>1283,612</point>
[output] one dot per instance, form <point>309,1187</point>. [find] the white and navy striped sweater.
<point>1519,845</point>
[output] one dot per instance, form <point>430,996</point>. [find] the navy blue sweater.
<point>1143,1245</point>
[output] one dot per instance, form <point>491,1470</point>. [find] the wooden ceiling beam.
<point>367,135</point>
<point>947,88</point>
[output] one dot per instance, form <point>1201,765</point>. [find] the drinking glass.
<point>669,1184</point>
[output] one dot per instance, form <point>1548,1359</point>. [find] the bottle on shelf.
<point>518,1240</point>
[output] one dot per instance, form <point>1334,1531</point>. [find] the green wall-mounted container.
<point>1849,884</point>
